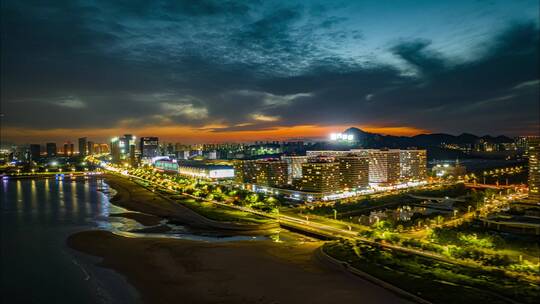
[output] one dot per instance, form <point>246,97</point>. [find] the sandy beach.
<point>134,197</point>
<point>181,271</point>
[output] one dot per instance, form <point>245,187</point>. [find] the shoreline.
<point>165,270</point>
<point>137,198</point>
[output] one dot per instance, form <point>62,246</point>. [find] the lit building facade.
<point>294,166</point>
<point>123,148</point>
<point>384,167</point>
<point>353,172</point>
<point>413,165</point>
<point>446,169</point>
<point>149,147</point>
<point>207,171</point>
<point>330,153</point>
<point>319,175</point>
<point>534,169</point>
<point>270,172</point>
<point>166,165</point>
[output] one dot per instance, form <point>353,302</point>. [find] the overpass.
<point>490,186</point>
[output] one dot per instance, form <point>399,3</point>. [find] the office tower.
<point>115,149</point>
<point>149,147</point>
<point>384,166</point>
<point>319,175</point>
<point>534,169</point>
<point>413,165</point>
<point>353,172</point>
<point>83,142</point>
<point>35,152</point>
<point>121,148</point>
<point>51,149</point>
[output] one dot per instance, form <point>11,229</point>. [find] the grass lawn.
<point>436,281</point>
<point>221,213</point>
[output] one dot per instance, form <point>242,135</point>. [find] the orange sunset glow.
<point>205,134</point>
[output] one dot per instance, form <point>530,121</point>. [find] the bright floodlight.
<point>341,136</point>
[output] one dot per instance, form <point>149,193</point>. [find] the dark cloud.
<point>417,53</point>
<point>250,66</point>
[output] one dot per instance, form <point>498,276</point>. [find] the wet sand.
<point>181,271</point>
<point>144,219</point>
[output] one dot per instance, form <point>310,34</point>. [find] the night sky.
<point>198,71</point>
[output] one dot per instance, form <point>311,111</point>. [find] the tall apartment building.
<point>270,173</point>
<point>413,165</point>
<point>35,152</point>
<point>384,166</point>
<point>68,149</point>
<point>51,149</point>
<point>83,146</point>
<point>90,147</point>
<point>294,166</point>
<point>353,172</point>
<point>319,175</point>
<point>534,169</point>
<point>244,171</point>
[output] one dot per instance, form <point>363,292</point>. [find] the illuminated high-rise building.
<point>123,148</point>
<point>319,175</point>
<point>270,173</point>
<point>294,166</point>
<point>384,166</point>
<point>353,172</point>
<point>413,165</point>
<point>534,169</point>
<point>149,147</point>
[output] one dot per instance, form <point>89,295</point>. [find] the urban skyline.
<point>270,151</point>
